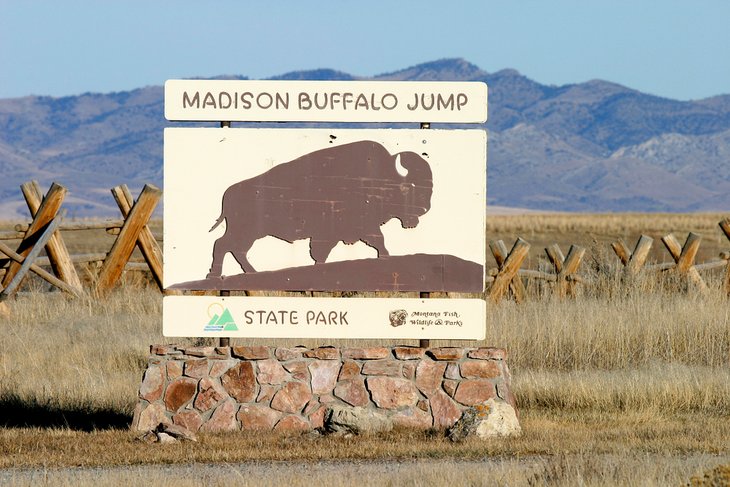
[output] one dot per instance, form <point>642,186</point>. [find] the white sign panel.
<point>326,101</point>
<point>289,317</point>
<point>318,209</point>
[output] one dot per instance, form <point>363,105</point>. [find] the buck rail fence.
<point>20,247</point>
<point>39,247</point>
<point>508,278</point>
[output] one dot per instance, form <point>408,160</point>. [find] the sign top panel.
<point>325,101</point>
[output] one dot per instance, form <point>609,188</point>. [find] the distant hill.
<point>593,146</point>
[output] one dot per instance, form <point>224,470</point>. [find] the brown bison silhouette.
<point>343,193</point>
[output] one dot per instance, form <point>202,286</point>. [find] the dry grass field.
<point>629,384</point>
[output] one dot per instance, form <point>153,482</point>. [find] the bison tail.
<point>217,222</point>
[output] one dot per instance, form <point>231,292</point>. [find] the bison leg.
<point>227,244</point>
<point>240,256</point>
<point>376,241</point>
<point>320,249</point>
<point>216,268</point>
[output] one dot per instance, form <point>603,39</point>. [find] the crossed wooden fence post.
<point>633,261</point>
<point>43,213</point>
<point>684,257</point>
<point>42,232</point>
<point>58,255</point>
<point>507,277</point>
<point>565,267</point>
<point>134,232</point>
<point>145,240</point>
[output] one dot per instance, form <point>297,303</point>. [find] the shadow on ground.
<point>17,413</point>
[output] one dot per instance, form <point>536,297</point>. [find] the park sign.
<point>319,209</point>
<point>325,101</point>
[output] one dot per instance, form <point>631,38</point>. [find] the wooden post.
<point>45,214</point>
<point>508,271</point>
<point>725,226</point>
<point>556,257</point>
<point>640,254</point>
<point>56,249</point>
<point>499,251</point>
<point>565,267</point>
<point>127,239</point>
<point>225,341</point>
<point>45,236</point>
<point>684,257</point>
<point>566,283</point>
<point>146,240</point>
<point>622,251</point>
<point>4,308</point>
<point>633,261</point>
<point>424,342</point>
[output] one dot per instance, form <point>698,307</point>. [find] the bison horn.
<point>399,167</point>
<point>414,165</point>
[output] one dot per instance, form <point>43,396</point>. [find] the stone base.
<point>266,388</point>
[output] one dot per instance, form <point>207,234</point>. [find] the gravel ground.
<point>289,474</point>
<point>649,469</point>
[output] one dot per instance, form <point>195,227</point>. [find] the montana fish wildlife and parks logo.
<point>220,319</point>
<point>398,317</point>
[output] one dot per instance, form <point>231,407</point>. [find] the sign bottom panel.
<point>291,317</point>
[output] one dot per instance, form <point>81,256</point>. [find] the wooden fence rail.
<point>79,225</point>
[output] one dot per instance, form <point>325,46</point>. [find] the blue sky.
<point>676,49</point>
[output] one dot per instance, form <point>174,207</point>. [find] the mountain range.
<point>594,146</point>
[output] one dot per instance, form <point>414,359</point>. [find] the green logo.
<point>220,322</point>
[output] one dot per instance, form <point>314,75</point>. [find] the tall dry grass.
<point>616,224</point>
<point>647,342</point>
<point>80,355</point>
<point>642,346</point>
<point>636,329</point>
